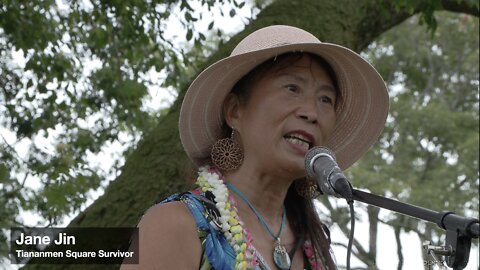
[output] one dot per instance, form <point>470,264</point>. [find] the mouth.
<point>301,139</point>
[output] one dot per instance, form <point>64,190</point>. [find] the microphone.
<point>321,166</point>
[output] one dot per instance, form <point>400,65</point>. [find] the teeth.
<point>299,136</point>
<point>298,142</point>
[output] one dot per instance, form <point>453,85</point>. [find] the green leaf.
<point>189,35</point>
<point>29,83</point>
<point>4,173</point>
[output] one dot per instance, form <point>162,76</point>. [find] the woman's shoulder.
<point>177,214</point>
<point>176,208</point>
<point>168,214</point>
<point>168,238</point>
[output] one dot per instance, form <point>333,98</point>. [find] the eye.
<point>292,87</point>
<point>326,99</point>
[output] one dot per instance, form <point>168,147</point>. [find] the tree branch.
<point>462,7</point>
<point>373,230</point>
<point>362,254</point>
<point>399,248</point>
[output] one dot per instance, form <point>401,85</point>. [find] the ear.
<point>231,110</point>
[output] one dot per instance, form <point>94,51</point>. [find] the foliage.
<point>428,152</point>
<point>427,10</point>
<point>77,73</point>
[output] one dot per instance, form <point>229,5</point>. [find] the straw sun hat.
<point>360,116</point>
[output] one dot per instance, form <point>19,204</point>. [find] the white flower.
<point>226,206</point>
<point>225,227</point>
<point>220,205</point>
<point>224,219</point>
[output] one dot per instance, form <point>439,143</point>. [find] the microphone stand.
<point>459,230</point>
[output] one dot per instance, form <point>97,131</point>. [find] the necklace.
<point>239,237</point>
<point>280,254</point>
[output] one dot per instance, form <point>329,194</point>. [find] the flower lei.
<point>239,237</point>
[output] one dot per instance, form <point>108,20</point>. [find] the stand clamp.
<point>433,251</point>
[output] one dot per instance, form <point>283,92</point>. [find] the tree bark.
<point>399,248</point>
<point>373,231</point>
<point>159,167</point>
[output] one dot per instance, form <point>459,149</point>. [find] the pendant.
<point>280,256</point>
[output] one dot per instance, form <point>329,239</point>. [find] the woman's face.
<point>290,109</point>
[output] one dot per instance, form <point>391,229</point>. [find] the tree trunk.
<point>158,167</point>
<point>373,232</point>
<point>399,248</point>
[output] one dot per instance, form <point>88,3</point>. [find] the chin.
<point>296,169</point>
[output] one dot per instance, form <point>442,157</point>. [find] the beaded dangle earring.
<point>227,154</point>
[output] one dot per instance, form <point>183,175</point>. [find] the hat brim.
<point>360,119</point>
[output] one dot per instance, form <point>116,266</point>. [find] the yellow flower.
<point>240,257</point>
<point>232,221</point>
<point>236,229</point>
<point>241,265</point>
<point>238,238</point>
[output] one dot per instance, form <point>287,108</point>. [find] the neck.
<point>265,192</point>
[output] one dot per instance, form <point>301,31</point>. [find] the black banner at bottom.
<point>74,245</point>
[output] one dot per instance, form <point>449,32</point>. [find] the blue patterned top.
<point>217,252</point>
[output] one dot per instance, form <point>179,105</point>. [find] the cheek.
<point>329,126</point>
<point>264,112</point>
<point>260,126</point>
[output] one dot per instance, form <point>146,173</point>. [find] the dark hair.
<point>243,86</point>
<point>301,212</point>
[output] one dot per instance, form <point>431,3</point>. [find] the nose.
<point>307,112</point>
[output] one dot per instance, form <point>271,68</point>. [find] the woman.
<point>247,121</point>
